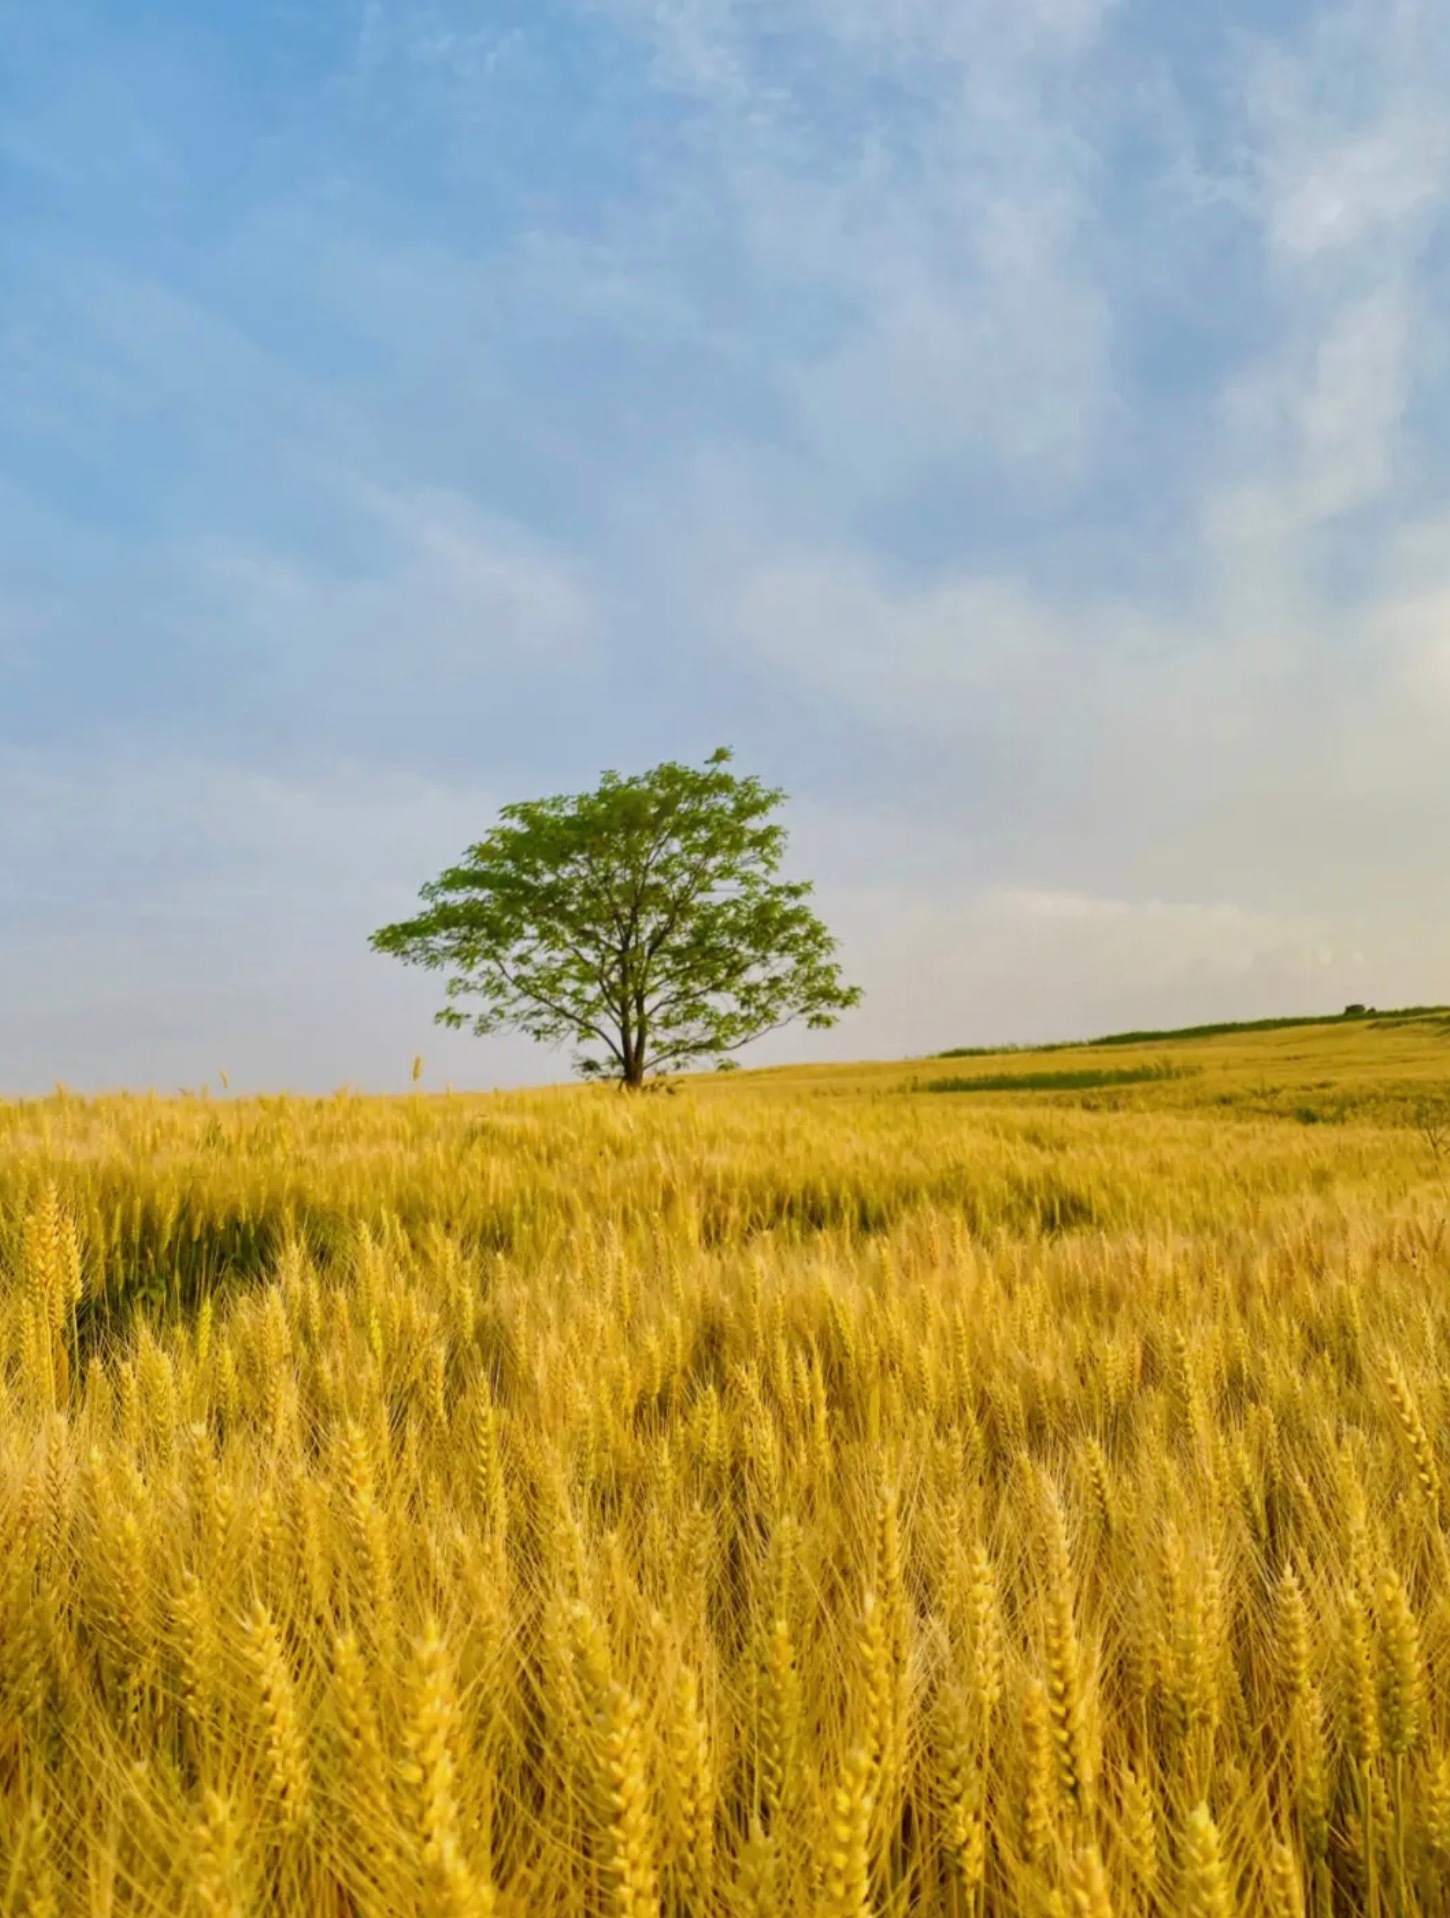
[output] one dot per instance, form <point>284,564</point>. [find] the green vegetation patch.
<point>1086,1079</point>
<point>1405,1015</point>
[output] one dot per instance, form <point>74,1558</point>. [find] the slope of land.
<point>1229,1028</point>
<point>1383,1070</point>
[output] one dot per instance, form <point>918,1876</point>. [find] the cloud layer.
<point>1015,425</point>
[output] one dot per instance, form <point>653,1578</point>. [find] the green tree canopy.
<point>643,921</point>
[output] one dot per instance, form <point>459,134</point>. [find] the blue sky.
<point>1018,427</point>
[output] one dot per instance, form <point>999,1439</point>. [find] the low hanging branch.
<point>644,922</point>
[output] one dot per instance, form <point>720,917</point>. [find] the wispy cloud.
<point>916,176</point>
<point>448,593</point>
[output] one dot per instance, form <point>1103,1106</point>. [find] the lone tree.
<point>644,921</point>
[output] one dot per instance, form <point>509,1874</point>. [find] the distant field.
<point>1225,1029</point>
<point>1383,1069</point>
<point>810,1494</point>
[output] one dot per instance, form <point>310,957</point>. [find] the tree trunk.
<point>633,1048</point>
<point>633,1030</point>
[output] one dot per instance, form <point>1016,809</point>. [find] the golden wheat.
<point>806,1495</point>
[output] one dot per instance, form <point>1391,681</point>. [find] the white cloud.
<point>923,658</point>
<point>947,235</point>
<point>706,37</point>
<point>448,588</point>
<point>1356,189</point>
<point>1014,964</point>
<point>1351,157</point>
<point>1099,746</point>
<point>127,813</point>
<point>1264,725</point>
<point>1312,433</point>
<point>1350,132</point>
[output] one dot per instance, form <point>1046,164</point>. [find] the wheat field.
<point>809,1494</point>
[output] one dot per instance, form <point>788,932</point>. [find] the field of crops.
<point>814,1493</point>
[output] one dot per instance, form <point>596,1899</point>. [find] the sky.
<point>1018,428</point>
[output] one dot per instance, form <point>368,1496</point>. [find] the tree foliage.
<point>644,921</point>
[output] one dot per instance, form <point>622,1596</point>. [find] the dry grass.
<point>798,1496</point>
